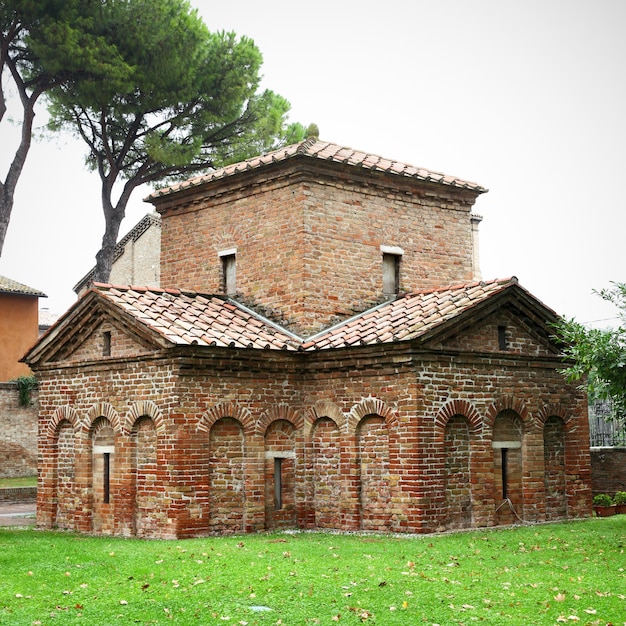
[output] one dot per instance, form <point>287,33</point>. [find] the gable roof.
<point>186,318</point>
<point>12,286</point>
<point>420,314</point>
<point>189,318</point>
<point>316,149</point>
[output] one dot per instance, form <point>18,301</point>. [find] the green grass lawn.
<point>570,573</point>
<point>24,481</point>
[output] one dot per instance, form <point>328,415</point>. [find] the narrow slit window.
<point>278,484</point>
<point>106,343</point>
<point>504,456</point>
<point>106,477</point>
<point>502,343</point>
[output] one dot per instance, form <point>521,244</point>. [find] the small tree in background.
<point>190,103</point>
<point>600,355</point>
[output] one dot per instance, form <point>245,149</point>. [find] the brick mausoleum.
<point>323,355</point>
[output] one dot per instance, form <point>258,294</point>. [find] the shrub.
<point>602,499</point>
<point>620,497</point>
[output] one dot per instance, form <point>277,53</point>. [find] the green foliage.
<point>25,387</point>
<point>545,574</point>
<point>44,44</point>
<point>619,497</point>
<point>602,499</point>
<point>599,355</point>
<point>190,101</point>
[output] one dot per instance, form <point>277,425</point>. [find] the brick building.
<point>136,257</point>
<point>19,306</point>
<point>322,354</point>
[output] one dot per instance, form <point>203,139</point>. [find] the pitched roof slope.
<point>408,317</point>
<point>189,318</point>
<point>322,150</point>
<point>12,286</point>
<point>186,318</point>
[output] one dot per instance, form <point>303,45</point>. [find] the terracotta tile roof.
<point>316,149</point>
<point>12,286</point>
<point>408,317</point>
<point>189,318</point>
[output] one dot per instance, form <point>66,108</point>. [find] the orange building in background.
<point>19,317</point>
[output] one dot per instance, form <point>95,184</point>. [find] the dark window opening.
<point>391,273</point>
<point>502,344</point>
<point>106,343</point>
<point>229,275</point>
<point>106,477</point>
<point>278,484</point>
<point>505,490</point>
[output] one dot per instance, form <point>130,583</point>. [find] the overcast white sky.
<point>526,98</point>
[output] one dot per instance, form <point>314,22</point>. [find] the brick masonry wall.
<point>18,434</point>
<point>608,470</point>
<point>368,437</point>
<point>308,244</point>
<point>18,494</point>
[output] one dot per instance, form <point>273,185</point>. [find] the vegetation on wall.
<point>25,387</point>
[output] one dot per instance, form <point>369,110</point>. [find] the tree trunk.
<point>6,204</point>
<point>7,189</point>
<point>113,216</point>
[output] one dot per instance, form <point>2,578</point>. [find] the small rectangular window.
<point>229,274</point>
<point>391,274</point>
<point>502,344</point>
<point>106,343</point>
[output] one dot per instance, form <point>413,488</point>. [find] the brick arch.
<point>106,410</point>
<point>507,403</point>
<point>145,408</point>
<point>61,414</point>
<point>457,407</point>
<point>550,410</point>
<point>324,409</point>
<point>279,412</point>
<point>370,406</point>
<point>226,409</point>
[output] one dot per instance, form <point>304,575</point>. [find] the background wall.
<point>608,470</point>
<point>18,433</point>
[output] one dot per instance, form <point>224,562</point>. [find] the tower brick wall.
<point>308,240</point>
